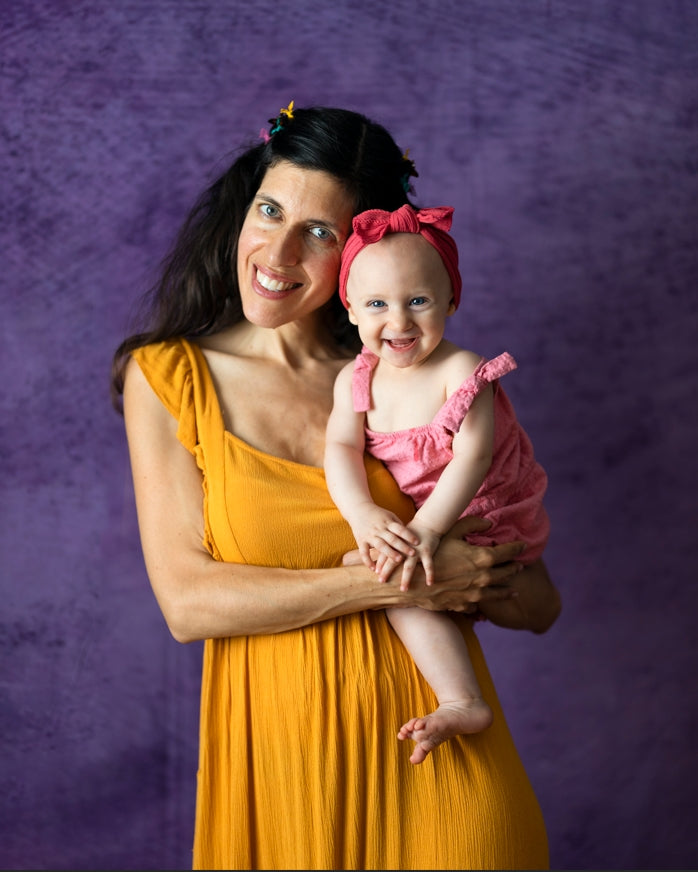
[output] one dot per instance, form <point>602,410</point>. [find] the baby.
<point>435,414</point>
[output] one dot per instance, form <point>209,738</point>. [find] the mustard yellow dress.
<point>299,764</point>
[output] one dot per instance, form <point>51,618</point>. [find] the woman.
<point>226,400</point>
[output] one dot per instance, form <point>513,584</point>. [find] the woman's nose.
<point>284,249</point>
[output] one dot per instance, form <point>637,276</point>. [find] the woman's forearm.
<point>203,598</point>
<point>212,599</point>
<point>535,607</point>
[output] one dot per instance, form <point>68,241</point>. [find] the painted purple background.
<point>564,133</point>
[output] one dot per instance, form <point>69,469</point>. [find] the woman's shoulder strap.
<point>168,366</point>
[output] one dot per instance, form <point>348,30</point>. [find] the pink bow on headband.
<point>432,224</point>
<point>372,225</point>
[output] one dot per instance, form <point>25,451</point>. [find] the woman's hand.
<point>466,575</point>
<point>536,607</point>
<point>472,578</point>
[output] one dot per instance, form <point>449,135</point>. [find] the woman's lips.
<point>271,288</point>
<point>270,284</point>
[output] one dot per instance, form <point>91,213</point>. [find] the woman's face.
<point>290,244</point>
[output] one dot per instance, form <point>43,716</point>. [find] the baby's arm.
<point>457,485</point>
<point>372,526</point>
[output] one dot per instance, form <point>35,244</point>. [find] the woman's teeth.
<point>272,285</point>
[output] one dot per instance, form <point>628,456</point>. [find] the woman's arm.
<point>204,598</point>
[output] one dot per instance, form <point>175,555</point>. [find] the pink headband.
<point>432,224</point>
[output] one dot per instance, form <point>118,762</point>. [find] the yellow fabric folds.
<point>299,765</point>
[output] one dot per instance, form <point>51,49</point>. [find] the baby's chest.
<point>403,409</point>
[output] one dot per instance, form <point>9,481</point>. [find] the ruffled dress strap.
<point>364,364</point>
<point>177,372</point>
<point>451,414</point>
<point>179,375</point>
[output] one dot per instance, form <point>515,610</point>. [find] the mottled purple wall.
<point>564,133</point>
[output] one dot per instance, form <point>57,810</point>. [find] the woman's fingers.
<point>483,556</point>
<point>469,524</point>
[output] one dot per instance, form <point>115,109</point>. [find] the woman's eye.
<point>321,233</point>
<point>268,210</point>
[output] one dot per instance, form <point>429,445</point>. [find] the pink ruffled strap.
<point>364,364</point>
<point>456,407</point>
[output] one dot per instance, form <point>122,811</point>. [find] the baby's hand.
<point>385,567</point>
<point>429,541</point>
<point>381,530</point>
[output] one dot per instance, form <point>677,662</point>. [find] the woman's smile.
<point>274,286</point>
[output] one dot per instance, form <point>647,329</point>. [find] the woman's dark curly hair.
<point>197,293</point>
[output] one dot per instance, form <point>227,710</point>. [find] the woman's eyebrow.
<point>330,225</point>
<point>260,195</point>
<point>325,222</point>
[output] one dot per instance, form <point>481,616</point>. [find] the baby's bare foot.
<point>450,719</point>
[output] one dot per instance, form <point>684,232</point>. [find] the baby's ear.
<point>352,316</point>
<point>451,308</point>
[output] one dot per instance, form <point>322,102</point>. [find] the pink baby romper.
<point>511,496</point>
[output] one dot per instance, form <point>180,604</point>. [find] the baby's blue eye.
<point>418,301</point>
<point>376,304</point>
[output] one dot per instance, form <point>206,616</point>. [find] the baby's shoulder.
<point>345,374</point>
<point>459,363</point>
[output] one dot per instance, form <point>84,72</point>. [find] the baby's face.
<point>399,295</point>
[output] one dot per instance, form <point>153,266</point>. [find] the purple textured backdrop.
<point>564,133</point>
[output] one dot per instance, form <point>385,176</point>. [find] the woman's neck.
<point>297,344</point>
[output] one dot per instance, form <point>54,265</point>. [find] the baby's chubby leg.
<point>441,655</point>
